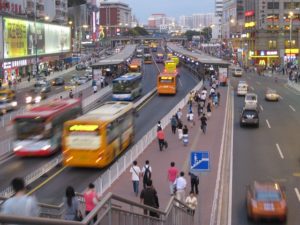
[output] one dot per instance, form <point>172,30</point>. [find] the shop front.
<point>265,58</point>
<point>291,55</point>
<point>14,70</point>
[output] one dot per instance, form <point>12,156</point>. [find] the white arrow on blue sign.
<point>199,161</point>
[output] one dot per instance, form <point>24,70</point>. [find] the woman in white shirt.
<point>192,202</point>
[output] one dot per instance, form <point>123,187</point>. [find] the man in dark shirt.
<point>149,197</point>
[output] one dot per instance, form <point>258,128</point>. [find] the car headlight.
<point>37,99</point>
<point>14,104</point>
<point>28,99</point>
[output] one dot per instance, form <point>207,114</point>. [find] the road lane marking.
<point>261,108</point>
<point>180,82</point>
<point>279,150</point>
<point>46,181</point>
<point>252,88</point>
<point>297,193</point>
<point>268,124</point>
<point>292,108</point>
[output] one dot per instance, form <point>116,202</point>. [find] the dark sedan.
<point>58,81</point>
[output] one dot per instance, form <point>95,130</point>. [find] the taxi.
<point>70,86</point>
<point>7,100</point>
<point>266,200</point>
<point>271,95</point>
<point>6,93</point>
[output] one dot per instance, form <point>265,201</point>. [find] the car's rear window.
<point>268,196</point>
<point>250,97</point>
<point>250,113</point>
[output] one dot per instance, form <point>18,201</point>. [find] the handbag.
<point>78,216</point>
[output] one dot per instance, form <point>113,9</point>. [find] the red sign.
<point>249,13</point>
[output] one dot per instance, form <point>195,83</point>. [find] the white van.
<point>251,100</point>
<point>237,72</point>
<point>242,88</point>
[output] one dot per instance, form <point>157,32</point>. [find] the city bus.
<point>146,50</point>
<point>167,83</point>
<point>135,65</point>
<point>175,59</point>
<point>38,131</point>
<point>159,58</point>
<point>147,58</point>
<point>127,87</point>
<point>98,137</point>
<point>170,66</point>
<point>154,47</point>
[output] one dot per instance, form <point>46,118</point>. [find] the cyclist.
<point>203,123</point>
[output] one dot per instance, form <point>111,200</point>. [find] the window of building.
<point>289,44</point>
<point>272,17</point>
<point>291,5</point>
<point>273,5</point>
<point>272,44</point>
<point>273,27</point>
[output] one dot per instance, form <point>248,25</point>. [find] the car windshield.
<point>40,85</point>
<point>30,128</point>
<point>250,98</point>
<point>121,86</point>
<point>268,196</point>
<point>271,92</point>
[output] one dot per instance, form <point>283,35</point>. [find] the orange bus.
<point>98,137</point>
<point>167,83</point>
<point>135,65</point>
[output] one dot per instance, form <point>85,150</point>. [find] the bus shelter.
<point>202,63</point>
<point>114,65</point>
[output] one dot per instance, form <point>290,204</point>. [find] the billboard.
<point>1,43</point>
<point>23,38</point>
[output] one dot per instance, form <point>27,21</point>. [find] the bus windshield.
<point>122,86</point>
<point>31,128</point>
<point>166,80</point>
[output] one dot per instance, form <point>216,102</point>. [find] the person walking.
<point>71,205</point>
<point>190,117</point>
<point>219,98</point>
<point>203,120</point>
<point>95,89</point>
<point>179,129</point>
<point>91,199</point>
<point>20,204</point>
<point>158,125</point>
<point>146,173</point>
<point>194,182</point>
<point>173,124</point>
<point>149,197</point>
<point>172,175</point>
<point>135,177</point>
<point>179,114</point>
<point>161,139</point>
<point>208,109</point>
<point>71,95</point>
<point>185,135</point>
<point>191,202</point>
<point>180,186</point>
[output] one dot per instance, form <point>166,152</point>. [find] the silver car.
<point>7,105</point>
<point>82,80</point>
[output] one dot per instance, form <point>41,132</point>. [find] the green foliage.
<point>136,31</point>
<point>206,33</point>
<point>190,33</point>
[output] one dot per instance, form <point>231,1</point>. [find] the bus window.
<point>166,80</point>
<point>112,131</point>
<point>30,128</point>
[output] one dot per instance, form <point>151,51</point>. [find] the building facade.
<point>115,17</point>
<point>217,22</point>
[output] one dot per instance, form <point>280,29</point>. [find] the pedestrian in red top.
<point>161,139</point>
<point>172,175</point>
<point>91,199</point>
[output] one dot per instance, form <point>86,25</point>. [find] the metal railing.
<point>116,210</point>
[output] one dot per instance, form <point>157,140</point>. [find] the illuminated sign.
<point>166,78</point>
<point>250,24</point>
<point>292,51</point>
<point>83,128</point>
<point>249,13</point>
<point>23,38</point>
<point>272,52</point>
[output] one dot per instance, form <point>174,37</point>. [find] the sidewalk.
<point>160,162</point>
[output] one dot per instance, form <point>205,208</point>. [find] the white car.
<point>237,72</point>
<point>82,80</point>
<point>242,88</point>
<point>251,100</point>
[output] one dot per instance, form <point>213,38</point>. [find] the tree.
<point>190,33</point>
<point>136,31</point>
<point>206,33</point>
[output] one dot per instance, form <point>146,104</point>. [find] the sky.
<point>142,9</point>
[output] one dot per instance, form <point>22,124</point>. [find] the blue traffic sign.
<point>199,161</point>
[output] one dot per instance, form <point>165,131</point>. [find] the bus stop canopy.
<point>118,58</point>
<point>201,58</point>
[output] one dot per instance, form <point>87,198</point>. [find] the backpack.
<point>147,174</point>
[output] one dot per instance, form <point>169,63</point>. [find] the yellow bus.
<point>98,137</point>
<point>167,83</point>
<point>170,66</point>
<point>175,59</point>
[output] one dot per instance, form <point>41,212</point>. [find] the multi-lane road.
<point>270,152</point>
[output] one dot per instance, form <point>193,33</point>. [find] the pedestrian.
<point>146,173</point>
<point>80,95</point>
<point>91,199</point>
<point>149,197</point>
<point>180,186</point>
<point>158,126</point>
<point>60,97</point>
<point>135,177</point>
<point>208,109</point>
<point>190,117</point>
<point>203,123</point>
<point>71,95</point>
<point>71,205</point>
<point>179,114</point>
<point>191,202</point>
<point>185,135</point>
<point>219,98</point>
<point>20,204</point>
<point>194,182</point>
<point>173,124</point>
<point>172,174</point>
<point>179,129</point>
<point>9,84</point>
<point>161,139</point>
<point>95,89</point>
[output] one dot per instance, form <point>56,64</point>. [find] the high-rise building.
<point>219,8</point>
<point>186,22</point>
<point>217,21</point>
<point>115,17</point>
<point>202,20</point>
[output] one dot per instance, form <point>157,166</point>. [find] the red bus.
<point>38,132</point>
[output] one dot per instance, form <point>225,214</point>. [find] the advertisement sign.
<point>24,38</point>
<point>223,76</point>
<point>1,43</point>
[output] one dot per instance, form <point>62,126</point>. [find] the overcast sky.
<point>142,9</point>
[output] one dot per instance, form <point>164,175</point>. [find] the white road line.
<point>261,108</point>
<point>180,82</point>
<point>297,193</point>
<point>292,108</point>
<point>268,124</point>
<point>252,88</point>
<point>279,150</point>
<point>280,97</point>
